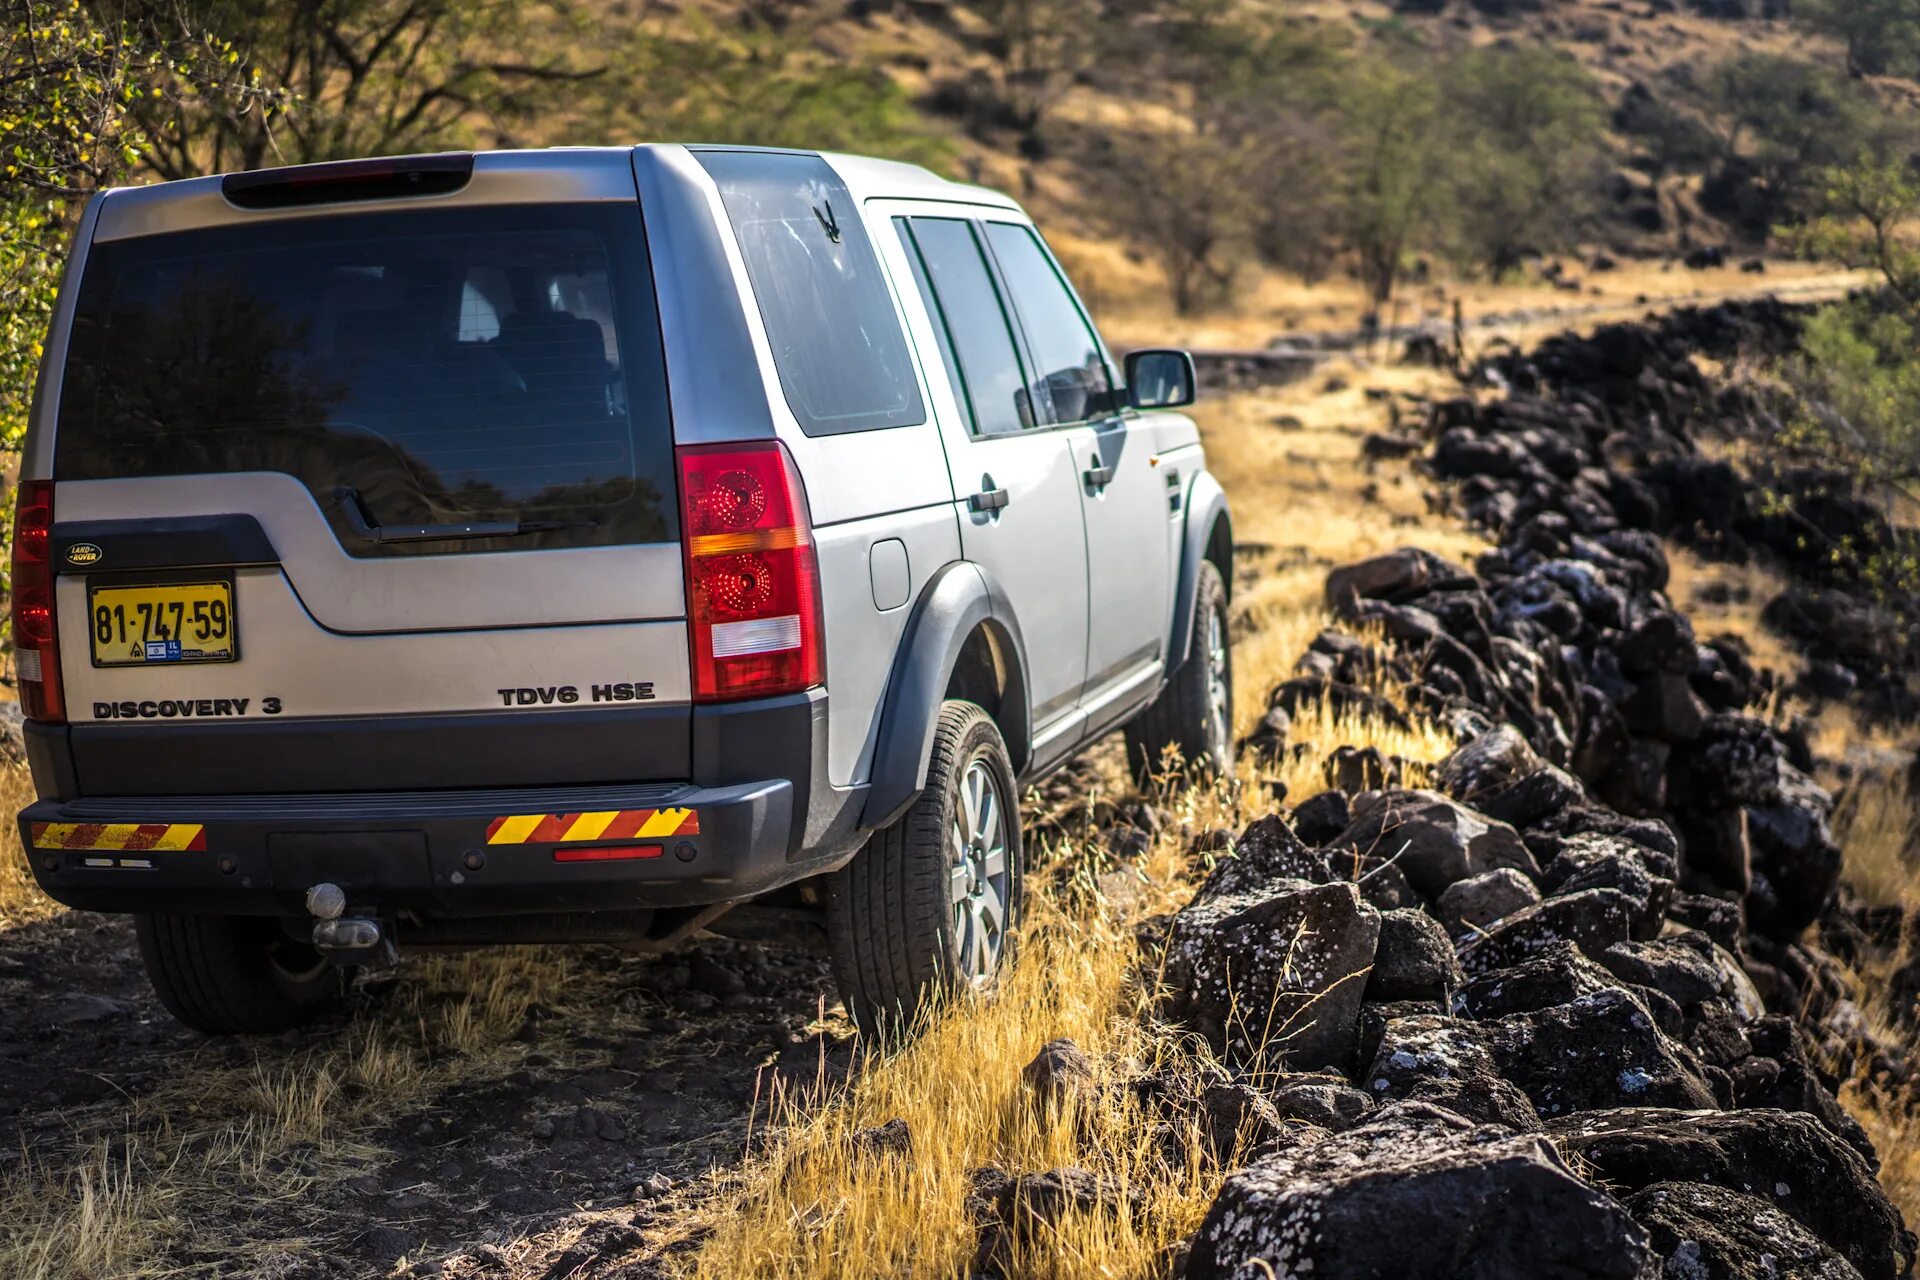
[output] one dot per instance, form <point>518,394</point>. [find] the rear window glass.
<point>837,343</point>
<point>495,365</point>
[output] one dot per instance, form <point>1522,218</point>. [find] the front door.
<point>1123,496</point>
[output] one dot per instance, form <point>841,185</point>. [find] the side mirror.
<point>1160,378</point>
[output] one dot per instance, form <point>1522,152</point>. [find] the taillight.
<point>753,584</point>
<point>36,652</point>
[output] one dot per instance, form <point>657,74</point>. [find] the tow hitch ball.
<point>347,941</point>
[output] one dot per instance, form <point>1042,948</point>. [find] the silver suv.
<point>581,545</point>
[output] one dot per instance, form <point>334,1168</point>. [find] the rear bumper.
<point>442,854</point>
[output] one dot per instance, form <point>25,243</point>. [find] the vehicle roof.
<point>526,175</point>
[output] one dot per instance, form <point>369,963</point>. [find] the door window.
<point>1072,383</point>
<point>966,311</point>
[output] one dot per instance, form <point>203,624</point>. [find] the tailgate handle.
<point>347,500</point>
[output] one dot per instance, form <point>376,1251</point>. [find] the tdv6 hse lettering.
<point>588,545</point>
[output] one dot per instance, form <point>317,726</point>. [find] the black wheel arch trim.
<point>1207,513</point>
<point>958,600</point>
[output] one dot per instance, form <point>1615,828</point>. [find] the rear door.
<point>344,468</point>
<point>1123,496</point>
<point>1016,488</point>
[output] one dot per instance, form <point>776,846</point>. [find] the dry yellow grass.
<point>20,898</point>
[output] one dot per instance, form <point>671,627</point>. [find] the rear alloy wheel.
<point>929,906</point>
<point>236,975</point>
<point>1193,716</point>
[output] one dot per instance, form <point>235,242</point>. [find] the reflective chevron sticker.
<point>609,824</point>
<point>129,837</point>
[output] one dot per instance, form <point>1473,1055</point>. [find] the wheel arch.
<point>961,641</point>
<point>1208,538</point>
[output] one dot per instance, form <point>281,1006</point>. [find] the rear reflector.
<point>621,854</point>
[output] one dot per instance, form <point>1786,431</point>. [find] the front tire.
<point>236,975</point>
<point>1193,716</point>
<point>928,906</point>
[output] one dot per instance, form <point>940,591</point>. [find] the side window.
<point>1072,381</point>
<point>966,308</point>
<point>837,343</point>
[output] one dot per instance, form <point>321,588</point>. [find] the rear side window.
<point>965,306</point>
<point>837,344</point>
<point>447,366</point>
<point>1072,382</point>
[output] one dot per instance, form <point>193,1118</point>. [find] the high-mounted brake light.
<point>753,583</point>
<point>36,648</point>
<point>337,181</point>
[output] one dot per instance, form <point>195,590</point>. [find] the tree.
<point>1527,165</point>
<point>69,85</point>
<point>1882,37</point>
<point>1779,120</point>
<point>1392,189</point>
<point>358,78</point>
<point>1037,47</point>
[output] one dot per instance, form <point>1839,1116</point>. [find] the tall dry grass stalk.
<point>1879,830</point>
<point>20,898</point>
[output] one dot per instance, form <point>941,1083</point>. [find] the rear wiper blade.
<point>347,499</point>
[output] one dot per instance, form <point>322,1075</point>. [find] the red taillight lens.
<point>36,652</point>
<point>753,587</point>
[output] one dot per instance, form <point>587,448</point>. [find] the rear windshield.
<point>411,369</point>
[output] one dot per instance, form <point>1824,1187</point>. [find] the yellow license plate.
<point>156,625</point>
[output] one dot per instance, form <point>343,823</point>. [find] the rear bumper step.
<point>440,854</point>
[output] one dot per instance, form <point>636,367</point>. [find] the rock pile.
<point>1591,1040</point>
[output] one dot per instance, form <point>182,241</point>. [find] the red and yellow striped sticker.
<point>132,837</point>
<point>609,824</point>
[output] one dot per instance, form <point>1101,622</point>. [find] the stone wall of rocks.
<point>1551,1012</point>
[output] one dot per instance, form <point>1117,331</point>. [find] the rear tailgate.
<point>369,498</point>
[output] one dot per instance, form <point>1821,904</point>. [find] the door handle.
<point>988,500</point>
<point>1098,477</point>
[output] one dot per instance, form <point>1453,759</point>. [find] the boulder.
<point>1417,1193</point>
<point>1326,1101</point>
<point>1320,818</point>
<point>1591,861</point>
<point>1266,852</point>
<point>1446,1062</point>
<point>1682,965</point>
<point>1395,577</point>
<point>1414,960</point>
<point>1433,840</point>
<point>1592,919</point>
<point>1060,1076</point>
<point>1783,1158</point>
<point>1480,900</point>
<point>1274,977</point>
<point>1595,1052</point>
<point>1559,974</point>
<point>1703,1232</point>
<point>1501,775</point>
<point>1011,1211</point>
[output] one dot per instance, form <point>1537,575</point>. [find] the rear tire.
<point>236,975</point>
<point>1193,716</point>
<point>928,906</point>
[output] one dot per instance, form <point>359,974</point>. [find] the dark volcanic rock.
<point>1433,840</point>
<point>1327,1101</point>
<point>1593,920</point>
<point>1784,1158</point>
<point>1276,976</point>
<point>1011,1210</point>
<point>1416,1194</point>
<point>1266,852</point>
<point>1414,960</point>
<point>1598,1051</point>
<point>1559,974</point>
<point>1704,1232</point>
<point>1480,900</point>
<point>1446,1062</point>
